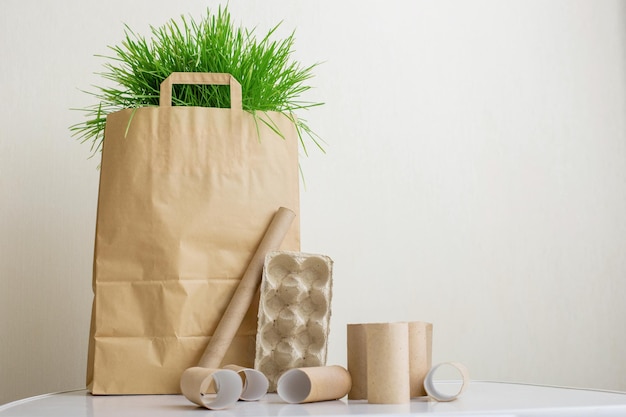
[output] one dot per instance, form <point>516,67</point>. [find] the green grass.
<point>270,80</point>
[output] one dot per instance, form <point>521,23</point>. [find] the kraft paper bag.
<point>186,194</point>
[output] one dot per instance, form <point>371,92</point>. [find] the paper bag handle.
<point>204,78</point>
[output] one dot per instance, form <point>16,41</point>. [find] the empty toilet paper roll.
<point>195,383</point>
<point>433,392</point>
<point>420,355</point>
<point>318,383</point>
<point>420,358</point>
<point>387,363</point>
<point>255,384</point>
<point>357,361</point>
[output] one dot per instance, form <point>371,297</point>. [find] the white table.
<point>480,399</point>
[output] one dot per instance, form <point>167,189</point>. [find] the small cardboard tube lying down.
<point>434,393</point>
<point>247,288</point>
<point>255,384</point>
<point>195,383</point>
<point>317,383</point>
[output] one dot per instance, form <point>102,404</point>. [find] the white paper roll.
<point>429,383</point>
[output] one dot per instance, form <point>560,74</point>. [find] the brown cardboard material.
<point>247,288</point>
<point>387,363</point>
<point>196,383</point>
<point>255,383</point>
<point>185,196</point>
<point>420,355</point>
<point>294,313</point>
<point>357,361</point>
<point>319,383</point>
<point>434,393</point>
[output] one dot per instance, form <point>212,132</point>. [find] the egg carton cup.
<point>294,313</point>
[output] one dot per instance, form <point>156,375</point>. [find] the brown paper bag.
<point>185,196</point>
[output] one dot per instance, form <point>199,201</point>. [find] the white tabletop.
<point>480,399</point>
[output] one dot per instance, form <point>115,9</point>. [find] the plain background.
<point>474,177</point>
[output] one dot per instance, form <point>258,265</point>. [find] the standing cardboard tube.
<point>357,361</point>
<point>387,363</point>
<point>420,355</point>
<point>244,294</point>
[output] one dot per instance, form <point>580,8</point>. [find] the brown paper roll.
<point>433,392</point>
<point>420,355</point>
<point>255,383</point>
<point>387,363</point>
<point>357,361</point>
<point>195,383</point>
<point>241,300</point>
<point>318,383</point>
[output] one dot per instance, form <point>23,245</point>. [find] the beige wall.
<point>475,177</point>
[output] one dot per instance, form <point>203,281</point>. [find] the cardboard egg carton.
<point>294,313</point>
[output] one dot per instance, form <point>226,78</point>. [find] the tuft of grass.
<point>270,80</point>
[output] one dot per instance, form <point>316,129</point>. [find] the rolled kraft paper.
<point>429,383</point>
<point>317,383</point>
<point>255,384</point>
<point>387,363</point>
<point>247,288</point>
<point>420,355</point>
<point>357,361</point>
<point>195,382</point>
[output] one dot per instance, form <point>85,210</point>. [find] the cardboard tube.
<point>420,355</point>
<point>387,363</point>
<point>255,384</point>
<point>244,294</point>
<point>429,383</point>
<point>195,382</point>
<point>317,383</point>
<point>357,361</point>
